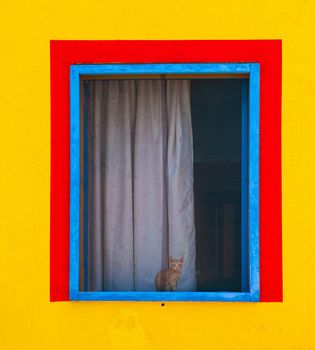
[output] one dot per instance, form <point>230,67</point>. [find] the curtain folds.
<point>140,183</point>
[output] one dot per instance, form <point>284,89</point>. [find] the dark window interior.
<point>216,119</point>
<point>216,109</point>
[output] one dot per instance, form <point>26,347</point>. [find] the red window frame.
<point>266,52</point>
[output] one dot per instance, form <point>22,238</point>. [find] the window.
<point>267,53</point>
<point>223,261</point>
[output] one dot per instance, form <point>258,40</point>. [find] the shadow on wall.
<point>126,328</point>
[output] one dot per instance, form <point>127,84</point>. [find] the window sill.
<point>166,296</point>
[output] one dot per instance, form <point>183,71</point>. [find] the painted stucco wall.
<point>27,319</point>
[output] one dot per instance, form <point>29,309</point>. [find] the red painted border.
<point>266,52</point>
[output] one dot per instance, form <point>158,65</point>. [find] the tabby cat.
<point>166,280</point>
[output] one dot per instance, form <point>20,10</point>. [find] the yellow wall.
<point>27,319</point>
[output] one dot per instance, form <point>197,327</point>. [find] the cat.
<point>166,280</point>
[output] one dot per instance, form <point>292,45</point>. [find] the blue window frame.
<point>249,178</point>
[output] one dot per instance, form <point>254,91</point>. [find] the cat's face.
<point>176,264</point>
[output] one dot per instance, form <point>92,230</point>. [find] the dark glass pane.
<point>217,126</point>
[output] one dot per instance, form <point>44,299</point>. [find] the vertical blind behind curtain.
<point>140,183</point>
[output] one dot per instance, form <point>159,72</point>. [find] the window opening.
<point>219,118</point>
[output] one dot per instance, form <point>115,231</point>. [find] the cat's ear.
<point>181,259</point>
<point>170,258</point>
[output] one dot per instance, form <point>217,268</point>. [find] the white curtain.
<point>140,183</point>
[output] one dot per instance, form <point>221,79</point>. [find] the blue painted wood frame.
<point>253,182</point>
<point>250,194</point>
<point>74,184</point>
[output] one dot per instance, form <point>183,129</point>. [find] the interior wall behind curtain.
<point>140,183</point>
